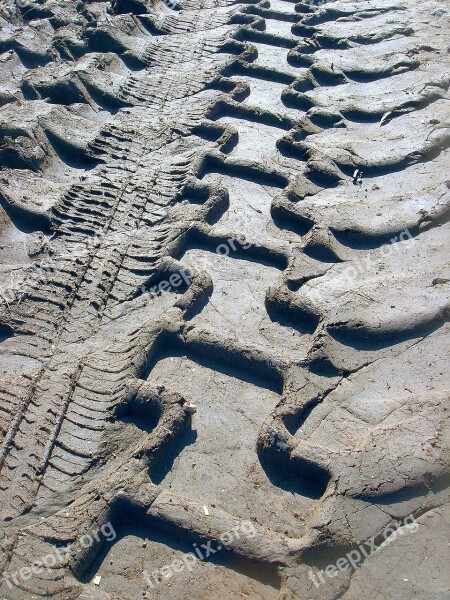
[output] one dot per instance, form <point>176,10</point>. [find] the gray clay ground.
<point>290,161</point>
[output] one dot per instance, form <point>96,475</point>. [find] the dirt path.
<point>224,298</point>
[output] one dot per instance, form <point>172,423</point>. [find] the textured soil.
<point>224,286</point>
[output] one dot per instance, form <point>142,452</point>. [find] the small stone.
<point>190,408</point>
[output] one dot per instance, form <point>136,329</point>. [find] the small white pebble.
<point>190,408</point>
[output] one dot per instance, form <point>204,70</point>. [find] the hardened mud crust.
<point>291,162</point>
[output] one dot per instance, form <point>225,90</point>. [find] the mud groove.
<point>231,216</point>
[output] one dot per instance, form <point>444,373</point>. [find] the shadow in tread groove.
<point>128,519</point>
<point>212,355</point>
<point>294,475</point>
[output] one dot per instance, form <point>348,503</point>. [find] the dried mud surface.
<point>293,159</point>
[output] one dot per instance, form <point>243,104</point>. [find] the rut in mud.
<point>242,208</point>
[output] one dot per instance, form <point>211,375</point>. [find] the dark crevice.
<point>25,219</point>
<point>294,475</point>
<point>360,337</point>
<point>360,240</point>
<point>123,7</point>
<point>295,317</point>
<point>363,76</point>
<point>6,332</point>
<point>239,365</point>
<point>130,520</point>
<point>261,37</point>
<point>243,170</point>
<point>258,72</point>
<point>70,154</point>
<point>163,462</point>
<point>254,115</point>
<point>144,415</point>
<point>291,221</point>
<point>321,252</point>
<point>197,240</point>
<point>421,156</point>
